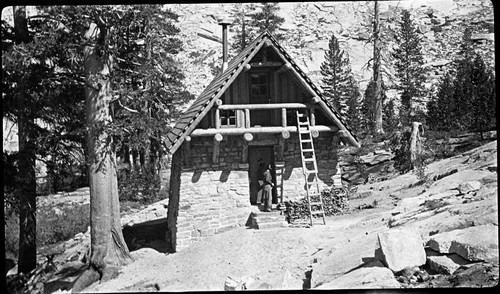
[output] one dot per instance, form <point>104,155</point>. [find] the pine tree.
<point>440,107</point>
<point>243,31</point>
<point>260,18</point>
<point>353,106</point>
<point>483,111</point>
<point>390,119</point>
<point>465,100</point>
<point>368,108</point>
<point>267,19</point>
<point>336,74</point>
<point>409,65</point>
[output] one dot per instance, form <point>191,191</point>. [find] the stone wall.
<point>293,178</point>
<point>215,197</point>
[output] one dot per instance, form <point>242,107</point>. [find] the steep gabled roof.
<point>200,107</point>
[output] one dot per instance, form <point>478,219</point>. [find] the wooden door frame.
<point>273,172</point>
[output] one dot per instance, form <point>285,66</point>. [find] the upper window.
<point>259,88</point>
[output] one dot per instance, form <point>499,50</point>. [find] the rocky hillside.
<point>309,25</point>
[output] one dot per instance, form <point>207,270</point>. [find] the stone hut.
<point>246,115</point>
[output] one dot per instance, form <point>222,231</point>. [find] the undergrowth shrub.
<point>139,186</point>
<point>53,225</point>
<point>61,223</point>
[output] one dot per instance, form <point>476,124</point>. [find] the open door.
<point>256,155</point>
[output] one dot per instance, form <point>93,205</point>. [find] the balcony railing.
<point>235,119</point>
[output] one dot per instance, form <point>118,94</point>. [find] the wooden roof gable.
<point>188,121</point>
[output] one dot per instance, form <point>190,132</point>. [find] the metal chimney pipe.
<point>224,23</point>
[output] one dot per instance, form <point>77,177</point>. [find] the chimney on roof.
<point>224,23</point>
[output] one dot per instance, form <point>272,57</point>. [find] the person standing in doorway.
<point>267,188</point>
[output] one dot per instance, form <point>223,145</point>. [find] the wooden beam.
<point>218,137</point>
<point>216,150</point>
<point>188,138</point>
<point>285,134</point>
<point>266,64</point>
<point>316,99</point>
<point>286,67</point>
<point>312,119</point>
<point>219,102</point>
<point>248,137</point>
<point>283,117</point>
<point>264,106</point>
<point>247,67</point>
<point>217,118</point>
<point>315,133</point>
<point>186,154</point>
<point>257,130</point>
<point>244,152</point>
<point>247,118</point>
<point>281,150</point>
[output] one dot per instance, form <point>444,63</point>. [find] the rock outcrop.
<point>399,249</point>
<point>478,243</point>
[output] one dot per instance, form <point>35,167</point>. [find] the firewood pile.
<point>335,202</point>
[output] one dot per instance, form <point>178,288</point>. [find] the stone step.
<point>269,225</point>
<point>267,219</point>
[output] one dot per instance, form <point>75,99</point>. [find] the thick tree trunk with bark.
<point>27,200</point>
<point>108,248</point>
<point>377,77</point>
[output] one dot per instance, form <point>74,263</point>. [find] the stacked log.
<point>335,202</point>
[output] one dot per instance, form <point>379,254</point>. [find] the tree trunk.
<point>377,77</point>
<point>108,248</point>
<point>27,179</point>
<point>415,142</point>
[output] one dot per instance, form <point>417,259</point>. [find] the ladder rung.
<point>310,171</point>
<point>309,159</point>
<point>306,140</point>
<point>316,203</point>
<point>307,150</point>
<point>303,123</point>
<point>317,212</point>
<point>300,114</point>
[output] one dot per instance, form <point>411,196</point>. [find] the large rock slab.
<point>478,243</point>
<point>364,278</point>
<point>442,264</point>
<point>399,249</point>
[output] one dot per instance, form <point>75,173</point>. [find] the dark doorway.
<point>256,155</point>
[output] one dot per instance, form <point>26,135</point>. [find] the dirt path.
<point>264,255</point>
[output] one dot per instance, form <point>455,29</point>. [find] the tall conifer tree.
<point>409,65</point>
<point>336,76</point>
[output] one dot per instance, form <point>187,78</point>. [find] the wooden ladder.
<point>310,167</point>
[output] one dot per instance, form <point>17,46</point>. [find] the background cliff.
<point>308,27</point>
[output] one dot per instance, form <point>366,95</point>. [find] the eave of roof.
<point>200,107</point>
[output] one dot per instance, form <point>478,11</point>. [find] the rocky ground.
<point>398,234</point>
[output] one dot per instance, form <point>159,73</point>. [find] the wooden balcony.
<point>236,119</point>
